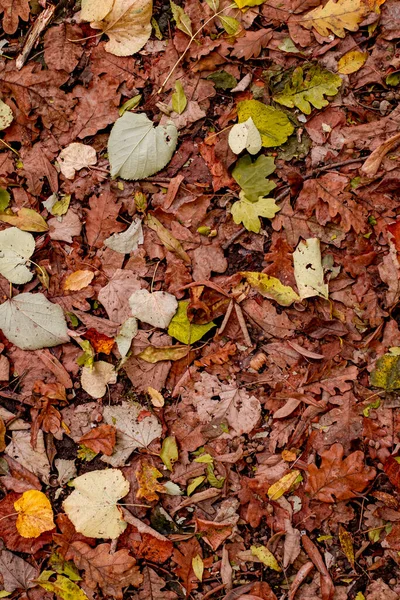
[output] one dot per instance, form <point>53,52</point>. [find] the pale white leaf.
<point>66,470</point>
<point>95,10</point>
<point>155,308</point>
<point>132,432</point>
<point>92,506</point>
<point>30,322</point>
<point>127,241</point>
<point>16,248</point>
<point>136,149</point>
<point>95,380</point>
<point>33,459</point>
<point>126,333</point>
<point>308,270</point>
<point>245,136</point>
<point>6,115</point>
<point>172,489</point>
<point>74,157</point>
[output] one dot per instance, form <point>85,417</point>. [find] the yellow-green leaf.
<point>62,586</point>
<point>359,596</point>
<point>213,480</point>
<point>179,100</point>
<point>60,207</point>
<point>248,213</point>
<point>308,87</point>
<point>194,484</point>
<point>282,486</point>
<point>386,374</point>
<point>252,176</point>
<point>198,567</point>
<point>346,542</point>
<point>351,62</point>
<point>181,19</point>
<point>4,199</point>
<point>204,458</point>
<point>230,24</point>
<point>25,219</point>
<point>246,3</point>
<point>169,452</point>
<point>271,287</point>
<point>183,330</point>
<point>266,557</point>
<point>272,123</point>
<point>154,354</point>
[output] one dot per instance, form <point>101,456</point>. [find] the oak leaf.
<point>147,476</point>
<point>13,11</point>
<point>337,477</point>
<point>152,587</point>
<point>251,44</point>
<point>111,572</point>
<point>100,439</point>
<point>183,557</point>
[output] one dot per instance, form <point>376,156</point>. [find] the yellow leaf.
<point>272,123</point>
<point>351,62</point>
<point>78,280</point>
<point>198,567</point>
<point>282,486</point>
<point>194,484</point>
<point>35,514</point>
<point>346,543</point>
<point>266,557</point>
<point>156,398</point>
<point>271,287</point>
<point>25,219</point>
<point>147,476</point>
<point>247,3</point>
<point>154,354</point>
<point>335,17</point>
<point>169,452</point>
<point>127,24</point>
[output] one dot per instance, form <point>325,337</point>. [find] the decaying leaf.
<point>62,586</point>
<point>100,439</point>
<point>6,115</point>
<point>351,62</point>
<point>282,486</point>
<point>266,557</point>
<point>126,241</point>
<point>308,269</point>
<point>147,475</point>
<point>184,330</point>
<point>25,219</point>
<point>386,374</point>
<point>94,379</point>
<point>271,287</point>
<point>153,354</point>
<point>78,280</point>
<point>245,136</point>
<point>74,157</point>
<point>272,123</point>
<point>92,506</point>
<point>16,249</point>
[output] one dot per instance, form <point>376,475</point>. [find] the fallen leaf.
<point>100,439</point>
<point>8,531</point>
<point>266,557</point>
<point>33,459</point>
<point>271,287</point>
<point>110,571</point>
<point>184,330</point>
<point>154,354</point>
<point>249,213</point>
<point>336,17</point>
<point>183,556</point>
<point>35,515</point>
<point>6,115</point>
<point>182,20</point>
<point>17,574</point>
<point>99,341</point>
<point>155,308</point>
<point>92,506</point>
<point>127,241</point>
<point>338,477</point>
<point>198,567</point>
<point>169,452</point>
<point>251,43</point>
<point>308,270</point>
<point>94,380</point>
<point>179,100</point>
<point>147,475</point>
<point>272,123</point>
<point>66,470</point>
<point>252,176</point>
<point>168,240</point>
<point>16,249</point>
<point>63,587</point>
<point>156,398</point>
<point>31,322</point>
<point>136,149</point>
<point>101,218</point>
<point>78,280</point>
<point>152,587</point>
<point>386,373</point>
<point>309,88</point>
<point>245,136</point>
<point>346,542</point>
<point>127,24</point>
<point>126,333</point>
<point>351,62</point>
<point>25,219</point>
<point>75,157</point>
<point>283,485</point>
<point>373,162</point>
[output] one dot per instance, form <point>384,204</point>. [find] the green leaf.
<point>169,452</point>
<point>136,149</point>
<point>181,19</point>
<point>156,28</point>
<point>252,176</point>
<point>4,199</point>
<point>64,567</point>
<point>62,586</point>
<point>195,484</point>
<point>266,557</point>
<point>85,453</point>
<point>248,213</point>
<point>386,374</point>
<point>309,88</point>
<point>130,104</point>
<point>213,480</point>
<point>272,123</point>
<point>223,80</point>
<point>179,100</point>
<point>246,3</point>
<point>60,207</point>
<point>183,330</point>
<point>213,4</point>
<point>230,24</point>
<point>271,287</point>
<point>204,458</point>
<point>393,79</point>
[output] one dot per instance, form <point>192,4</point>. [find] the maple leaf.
<point>111,572</point>
<point>338,477</point>
<point>147,476</point>
<point>100,439</point>
<point>101,219</point>
<point>336,17</point>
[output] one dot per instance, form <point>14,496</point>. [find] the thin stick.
<point>182,56</point>
<point>243,325</point>
<point>9,147</point>
<point>40,24</point>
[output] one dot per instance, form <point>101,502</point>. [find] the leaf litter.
<point>199,273</point>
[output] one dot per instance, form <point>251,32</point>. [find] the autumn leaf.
<point>336,17</point>
<point>338,478</point>
<point>35,514</point>
<point>386,374</point>
<point>78,280</point>
<point>100,439</point>
<point>266,557</point>
<point>271,287</point>
<point>272,123</point>
<point>346,542</point>
<point>147,476</point>
<point>100,341</point>
<point>61,586</point>
<point>283,485</point>
<point>249,213</point>
<point>153,354</point>
<point>25,219</point>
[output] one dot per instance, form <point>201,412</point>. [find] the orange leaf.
<point>100,341</point>
<point>35,514</point>
<point>78,280</point>
<point>100,439</point>
<point>2,435</point>
<point>147,476</point>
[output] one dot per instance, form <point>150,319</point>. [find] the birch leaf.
<point>136,149</point>
<point>92,506</point>
<point>31,322</point>
<point>16,248</point>
<point>308,270</point>
<point>245,136</point>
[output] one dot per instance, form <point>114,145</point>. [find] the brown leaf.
<point>152,587</point>
<point>17,573</point>
<point>101,220</point>
<point>2,435</point>
<point>338,477</point>
<point>60,53</point>
<point>183,558</point>
<point>146,546</point>
<point>68,535</point>
<point>100,439</point>
<point>13,11</point>
<point>327,587</point>
<point>251,44</point>
<point>219,357</point>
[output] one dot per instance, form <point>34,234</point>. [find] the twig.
<point>243,325</point>
<point>214,591</point>
<point>40,24</point>
<point>226,318</point>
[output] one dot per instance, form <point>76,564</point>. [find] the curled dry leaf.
<point>94,380</point>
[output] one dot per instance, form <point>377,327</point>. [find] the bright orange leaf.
<point>147,476</point>
<point>35,514</point>
<point>100,341</point>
